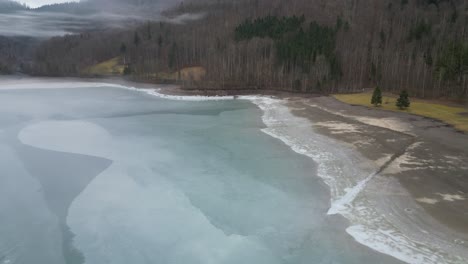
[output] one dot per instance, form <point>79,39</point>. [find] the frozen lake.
<point>98,174</point>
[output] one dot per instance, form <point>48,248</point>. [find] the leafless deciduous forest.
<point>322,46</point>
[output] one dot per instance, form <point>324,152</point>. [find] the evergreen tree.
<point>172,56</point>
<point>403,101</point>
<point>136,39</point>
<point>160,41</point>
<point>123,48</point>
<point>127,70</point>
<point>149,36</point>
<point>452,63</point>
<point>376,97</point>
<point>123,51</point>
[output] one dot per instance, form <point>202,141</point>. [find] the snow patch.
<point>451,197</point>
<point>339,127</point>
<point>388,123</point>
<point>427,200</point>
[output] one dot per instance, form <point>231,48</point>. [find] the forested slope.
<point>297,45</point>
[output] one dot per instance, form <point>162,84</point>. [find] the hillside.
<point>8,6</point>
<point>306,46</point>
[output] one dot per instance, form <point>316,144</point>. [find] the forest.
<point>295,46</point>
<point>304,46</point>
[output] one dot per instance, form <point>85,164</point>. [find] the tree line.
<point>299,45</point>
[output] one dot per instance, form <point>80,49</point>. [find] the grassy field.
<point>195,73</point>
<point>109,67</point>
<point>455,116</point>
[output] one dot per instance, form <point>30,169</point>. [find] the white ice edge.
<point>370,232</point>
<point>366,228</point>
<point>34,83</point>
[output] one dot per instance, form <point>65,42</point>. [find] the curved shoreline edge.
<point>368,226</point>
<point>375,232</point>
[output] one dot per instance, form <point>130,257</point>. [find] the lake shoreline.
<point>420,184</point>
<point>421,161</point>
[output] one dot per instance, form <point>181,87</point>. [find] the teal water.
<point>98,174</point>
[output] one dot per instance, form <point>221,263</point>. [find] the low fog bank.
<point>49,24</point>
<point>69,18</point>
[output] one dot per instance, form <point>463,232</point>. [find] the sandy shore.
<point>421,165</point>
<point>427,158</point>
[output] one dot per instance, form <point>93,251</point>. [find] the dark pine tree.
<point>123,51</point>
<point>377,97</point>
<point>123,48</point>
<point>127,70</point>
<point>149,36</point>
<point>403,101</point>
<point>160,41</point>
<point>136,39</point>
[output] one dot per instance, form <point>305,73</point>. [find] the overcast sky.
<point>38,3</point>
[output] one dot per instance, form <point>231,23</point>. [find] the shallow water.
<point>97,174</point>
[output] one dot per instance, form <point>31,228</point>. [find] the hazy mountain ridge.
<point>22,27</point>
<point>122,7</point>
<point>8,6</point>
